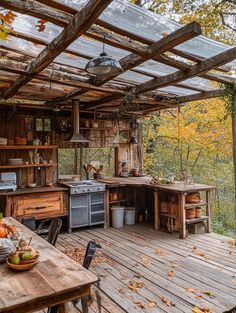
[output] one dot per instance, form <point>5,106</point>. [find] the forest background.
<point>198,136</point>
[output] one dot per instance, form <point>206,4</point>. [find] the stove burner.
<point>85,186</point>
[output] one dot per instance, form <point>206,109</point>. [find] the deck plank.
<point>132,258</point>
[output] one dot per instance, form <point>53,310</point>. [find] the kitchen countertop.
<point>145,181</point>
<point>22,191</point>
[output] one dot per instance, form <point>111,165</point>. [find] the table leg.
<point>208,210</point>
<point>182,215</point>
<point>156,211</point>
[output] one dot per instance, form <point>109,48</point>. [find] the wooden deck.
<point>150,271</point>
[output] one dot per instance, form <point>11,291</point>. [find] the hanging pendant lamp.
<point>104,65</point>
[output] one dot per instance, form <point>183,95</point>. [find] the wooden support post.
<point>107,209</point>
<point>233,114</point>
<point>208,210</point>
<point>156,210</point>
<point>182,215</point>
<point>81,161</point>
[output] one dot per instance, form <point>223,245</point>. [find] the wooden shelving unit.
<point>194,205</point>
<point>27,165</point>
<point>117,201</point>
<point>196,220</point>
<point>27,147</point>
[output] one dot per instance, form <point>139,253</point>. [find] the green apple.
<point>27,255</point>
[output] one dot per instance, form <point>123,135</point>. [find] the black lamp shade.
<point>103,65</point>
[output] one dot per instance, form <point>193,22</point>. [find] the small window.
<point>69,160</point>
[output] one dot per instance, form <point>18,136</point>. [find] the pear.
<point>15,258</point>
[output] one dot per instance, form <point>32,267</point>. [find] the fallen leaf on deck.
<point>198,297</point>
<point>171,274</point>
<point>120,290</point>
<point>103,275</point>
<point>200,310</point>
<point>152,304</point>
<point>209,293</point>
<point>145,260</point>
<point>175,265</point>
<point>141,237</point>
<point>159,252</point>
<point>140,304</point>
<point>231,242</point>
<point>200,253</point>
<point>135,286</point>
<point>77,254</point>
<point>230,252</point>
<point>234,281</point>
<point>219,269</point>
<point>192,290</point>
<point>167,301</point>
<point>194,247</point>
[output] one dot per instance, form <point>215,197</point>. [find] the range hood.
<point>76,136</point>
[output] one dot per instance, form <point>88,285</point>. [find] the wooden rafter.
<point>78,25</point>
<point>189,31</point>
<point>203,96</point>
<point>201,67</point>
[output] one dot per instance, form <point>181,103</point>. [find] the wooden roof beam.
<point>56,76</point>
<point>195,70</point>
<point>203,96</point>
<point>157,48</point>
<point>78,25</point>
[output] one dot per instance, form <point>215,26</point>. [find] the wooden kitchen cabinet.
<point>38,205</point>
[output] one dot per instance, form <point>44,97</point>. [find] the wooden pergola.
<point>33,73</point>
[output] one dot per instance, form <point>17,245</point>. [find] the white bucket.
<point>130,216</point>
<point>117,213</point>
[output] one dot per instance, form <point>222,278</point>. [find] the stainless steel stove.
<point>84,186</point>
<point>86,203</point>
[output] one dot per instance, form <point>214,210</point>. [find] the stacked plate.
<point>3,141</point>
<point>6,247</point>
<point>15,161</point>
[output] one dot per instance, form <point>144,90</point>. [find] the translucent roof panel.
<point>178,91</point>
<point>155,68</point>
<point>134,77</point>
<point>151,26</point>
<point>200,82</point>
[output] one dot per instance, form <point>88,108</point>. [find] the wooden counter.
<point>180,189</point>
<point>22,191</point>
<point>40,202</point>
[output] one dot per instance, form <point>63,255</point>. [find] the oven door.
<point>79,210</point>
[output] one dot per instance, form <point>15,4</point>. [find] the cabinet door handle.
<point>39,207</point>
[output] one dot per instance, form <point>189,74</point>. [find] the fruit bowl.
<point>22,266</point>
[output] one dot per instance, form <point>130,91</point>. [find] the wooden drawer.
<point>40,205</point>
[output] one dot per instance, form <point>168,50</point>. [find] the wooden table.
<point>179,188</point>
<point>56,279</point>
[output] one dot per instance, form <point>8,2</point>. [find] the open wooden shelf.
<point>94,128</point>
<point>169,215</point>
<point>197,220</point>
<point>27,147</point>
<point>117,201</point>
<point>27,165</point>
<point>194,205</point>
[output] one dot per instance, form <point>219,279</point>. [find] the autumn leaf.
<point>175,265</point>
<point>170,273</point>
<point>167,301</point>
<point>192,290</point>
<point>41,25</point>
<point>8,18</point>
<point>135,286</point>
<point>159,252</point>
<point>234,281</point>
<point>209,293</point>
<point>231,242</point>
<point>120,290</point>
<point>3,32</point>
<point>152,304</point>
<point>198,297</point>
<point>140,304</point>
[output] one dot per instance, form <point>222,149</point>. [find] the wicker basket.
<point>198,212</point>
<point>190,213</point>
<point>193,197</point>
